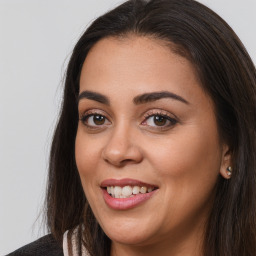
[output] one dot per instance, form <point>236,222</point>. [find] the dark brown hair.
<point>227,74</point>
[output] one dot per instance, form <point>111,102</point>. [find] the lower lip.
<point>126,203</point>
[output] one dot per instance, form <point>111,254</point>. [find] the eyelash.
<point>172,121</point>
<point>84,118</point>
<point>161,114</point>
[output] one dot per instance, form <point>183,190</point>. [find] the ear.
<point>226,168</point>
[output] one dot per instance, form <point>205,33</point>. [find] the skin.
<point>184,159</point>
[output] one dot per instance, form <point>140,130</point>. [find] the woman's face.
<point>146,125</point>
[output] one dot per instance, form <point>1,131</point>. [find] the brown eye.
<point>94,120</point>
<point>98,119</point>
<point>160,120</point>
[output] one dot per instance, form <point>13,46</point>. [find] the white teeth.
<point>117,191</point>
<point>136,190</point>
<point>143,190</point>
<point>127,191</point>
<point>112,190</point>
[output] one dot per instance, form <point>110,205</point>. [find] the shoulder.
<point>45,246</point>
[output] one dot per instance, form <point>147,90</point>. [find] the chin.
<point>131,238</point>
<point>128,231</point>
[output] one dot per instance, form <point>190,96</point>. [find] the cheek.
<point>187,167</point>
<point>87,155</point>
<point>189,150</point>
<point>188,162</point>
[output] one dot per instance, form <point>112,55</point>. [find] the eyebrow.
<point>94,96</point>
<point>153,96</point>
<point>140,99</point>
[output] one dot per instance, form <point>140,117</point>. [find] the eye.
<point>157,120</point>
<point>161,121</point>
<point>94,120</point>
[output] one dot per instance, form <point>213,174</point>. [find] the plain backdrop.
<point>36,39</point>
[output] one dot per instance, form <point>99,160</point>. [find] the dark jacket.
<point>45,246</point>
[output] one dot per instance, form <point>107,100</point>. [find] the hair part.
<point>227,75</point>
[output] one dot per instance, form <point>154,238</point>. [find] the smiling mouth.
<point>124,194</point>
<point>128,191</point>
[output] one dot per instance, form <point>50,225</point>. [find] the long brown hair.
<point>227,74</point>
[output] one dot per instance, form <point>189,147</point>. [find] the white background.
<point>36,39</point>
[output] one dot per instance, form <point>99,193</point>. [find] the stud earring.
<point>229,171</point>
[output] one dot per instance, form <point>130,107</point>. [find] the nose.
<point>121,148</point>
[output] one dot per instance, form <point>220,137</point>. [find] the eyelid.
<point>170,118</point>
<point>161,112</point>
<point>91,112</point>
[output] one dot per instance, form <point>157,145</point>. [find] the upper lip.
<point>124,182</point>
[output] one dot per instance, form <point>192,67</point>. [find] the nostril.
<point>121,163</point>
<point>127,161</point>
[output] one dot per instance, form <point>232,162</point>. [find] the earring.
<point>229,171</point>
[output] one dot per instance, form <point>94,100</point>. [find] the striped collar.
<point>74,247</point>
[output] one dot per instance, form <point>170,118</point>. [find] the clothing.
<point>45,246</point>
<point>48,246</point>
<point>74,246</point>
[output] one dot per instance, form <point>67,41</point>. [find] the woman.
<point>153,153</point>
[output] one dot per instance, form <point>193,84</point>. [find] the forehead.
<point>137,65</point>
<point>147,50</point>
